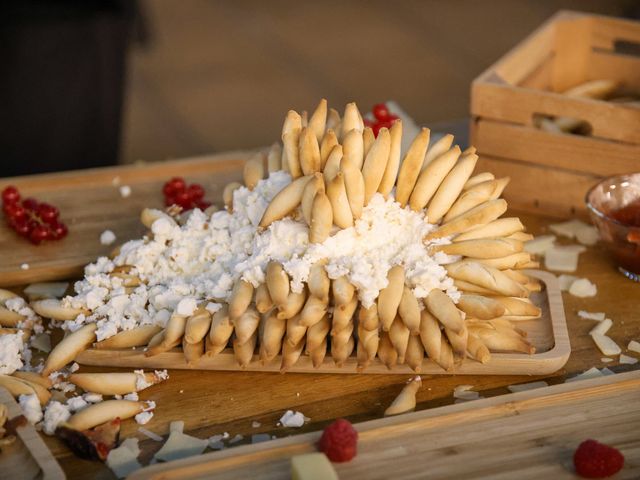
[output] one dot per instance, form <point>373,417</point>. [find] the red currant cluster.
<point>382,118</point>
<point>177,192</point>
<point>31,219</point>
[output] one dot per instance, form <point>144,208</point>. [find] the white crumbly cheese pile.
<point>54,414</point>
<point>201,260</point>
<point>292,419</point>
<point>31,409</point>
<point>11,347</point>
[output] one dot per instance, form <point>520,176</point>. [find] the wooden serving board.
<point>548,334</point>
<point>28,457</point>
<point>526,435</point>
<point>90,203</point>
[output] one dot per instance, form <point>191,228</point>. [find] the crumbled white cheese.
<point>74,367</point>
<point>598,316</point>
<point>186,306</point>
<point>583,288</point>
<point>92,397</point>
<point>76,403</point>
<point>143,417</point>
<point>11,348</point>
<point>31,409</point>
<point>606,359</point>
<point>107,237</point>
<point>125,191</point>
<point>256,424</point>
<point>54,414</point>
<point>141,381</point>
<point>133,396</point>
<point>292,419</point>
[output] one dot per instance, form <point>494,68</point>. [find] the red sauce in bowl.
<point>628,215</point>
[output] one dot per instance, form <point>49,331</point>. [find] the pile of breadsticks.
<point>337,165</point>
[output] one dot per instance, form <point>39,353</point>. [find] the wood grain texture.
<point>525,435</point>
<point>28,457</point>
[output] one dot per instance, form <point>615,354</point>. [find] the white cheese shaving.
<point>124,460</point>
<point>568,229</point>
<point>256,424</point>
<point>540,244</point>
<point>144,417</point>
<point>179,445</point>
<point>523,387</point>
<point>292,419</point>
<point>598,316</point>
<point>55,413</point>
<point>563,258</point>
<point>31,409</point>
<point>602,328</point>
<point>634,346</point>
<point>565,282</point>
<point>38,291</point>
<point>186,306</point>
<point>92,397</point>
<point>76,403</point>
<point>588,235</point>
<point>74,367</point>
<point>606,345</point>
<point>216,441</point>
<point>24,266</point>
<point>583,288</point>
<point>605,371</point>
<point>466,395</point>
<point>593,372</point>
<point>133,396</point>
<point>627,360</point>
<point>107,237</point>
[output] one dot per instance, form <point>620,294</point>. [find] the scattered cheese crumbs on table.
<point>92,397</point>
<point>627,360</point>
<point>125,191</point>
<point>466,395</point>
<point>124,460</point>
<point>256,424</point>
<point>107,237</point>
<point>236,439</point>
<point>523,387</point>
<point>144,417</point>
<point>565,282</point>
<point>634,346</point>
<point>597,316</point>
<point>539,245</point>
<point>150,434</point>
<point>569,228</point>
<point>606,345</point>
<point>24,266</point>
<point>179,445</point>
<point>132,396</point>
<point>292,419</point>
<point>583,288</point>
<point>602,328</point>
<point>606,359</point>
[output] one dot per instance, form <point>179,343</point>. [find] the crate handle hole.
<point>626,47</point>
<point>560,125</point>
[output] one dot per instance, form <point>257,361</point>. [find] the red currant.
<point>30,204</point>
<point>380,111</point>
<point>48,213</point>
<point>169,200</point>
<point>202,204</point>
<point>21,227</point>
<point>39,234</point>
<point>10,195</point>
<point>177,184</point>
<point>376,129</point>
<point>58,230</point>
<point>195,191</point>
<point>13,210</point>
<point>183,199</point>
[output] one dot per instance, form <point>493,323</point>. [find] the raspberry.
<point>595,460</point>
<point>339,441</point>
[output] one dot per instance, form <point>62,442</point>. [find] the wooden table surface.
<point>215,402</point>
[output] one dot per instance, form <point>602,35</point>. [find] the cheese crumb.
<point>54,414</point>
<point>602,328</point>
<point>598,316</point>
<point>143,417</point>
<point>31,409</point>
<point>627,360</point>
<point>24,266</point>
<point>125,191</point>
<point>583,288</point>
<point>292,419</point>
<point>107,237</point>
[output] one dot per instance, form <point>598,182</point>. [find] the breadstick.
<point>227,194</point>
<point>304,118</point>
<point>476,179</point>
<point>430,335</point>
<point>332,165</point>
<point>313,311</point>
<point>317,333</point>
<point>481,307</point>
<point>318,281</point>
<point>502,227</point>
<point>393,163</point>
<point>69,348</point>
<point>41,392</point>
<point>33,377</point>
<point>155,340</point>
<point>459,340</point>
<point>156,348</point>
<point>246,325</point>
<point>368,317</point>
<point>375,164</point>
<point>518,307</point>
<point>498,341</point>
<point>317,355</point>
<point>135,337</point>
<point>263,299</point>
<point>351,119</point>
<point>174,330</point>
<point>271,335</point>
<point>340,351</point>
<point>309,152</point>
<point>253,171</point>
<point>243,351</point>
<point>343,290</point>
<point>290,138</point>
<point>521,236</point>
<point>478,350</point>
<point>354,184</point>
<point>367,139</point>
<point>295,331</point>
<point>411,166</point>
<point>353,148</point>
<point>315,185</point>
<point>340,335</point>
<point>446,360</point>
<point>321,218</point>
<point>431,177</point>
<point>318,120</point>
<point>386,351</point>
<point>277,283</point>
<point>406,400</point>
<point>438,148</point>
<point>291,354</point>
<point>481,248</point>
<point>415,354</point>
<point>468,287</point>
<point>295,302</point>
<point>221,331</point>
<point>285,201</point>
<point>368,341</point>
<point>409,311</point>
<point>451,187</point>
<point>342,314</point>
<point>337,193</point>
<point>6,295</point>
<point>52,308</point>
<point>475,196</point>
<point>198,326</point>
<point>113,383</point>
<point>487,277</point>
<point>274,158</point>
<point>16,386</point>
<point>514,261</point>
<point>399,336</point>
<point>333,120</point>
<point>480,215</point>
<point>517,276</point>
<point>443,308</point>
<point>9,318</point>
<point>329,141</point>
<point>103,412</point>
<point>192,351</point>
<point>390,296</point>
<point>593,89</point>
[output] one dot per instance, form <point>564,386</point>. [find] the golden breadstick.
<point>103,412</point>
<point>390,296</point>
<point>362,359</point>
<point>368,317</point>
<point>333,120</point>
<point>160,346</point>
<point>277,283</point>
<point>499,341</point>
<point>113,383</point>
<point>198,326</point>
<point>253,171</point>
<point>290,138</point>
<point>487,277</point>
<point>52,308</point>
<point>368,341</point>
<point>517,276</point>
<point>6,295</point>
<point>478,350</point>
<point>354,184</point>
<point>475,196</point>
<point>321,218</point>
<point>221,331</point>
<point>430,335</point>
<point>309,152</point>
<point>337,193</point>
<point>521,236</point>
<point>332,166</point>
<point>386,351</point>
<point>343,290</point>
<point>295,331</point>
<point>313,311</point>
<point>293,305</point>
<point>304,119</point>
<point>9,318</point>
<point>411,166</point>
<point>516,260</point>
<point>318,281</point>
<point>367,139</point>
<point>342,314</point>
<point>375,163</point>
<point>340,351</point>
<point>438,148</point>
<point>285,201</point>
<point>136,337</point>
<point>174,330</point>
<point>351,119</point>
<point>291,354</point>
<point>480,215</point>
<point>415,354</point>
<point>263,299</point>
<point>353,148</point>
<point>246,325</point>
<point>481,307</point>
<point>446,360</point>
<point>468,287</point>
<point>317,355</point>
<point>69,348</point>
<point>227,194</point>
<point>150,215</point>
<point>399,336</point>
<point>476,179</point>
<point>481,248</point>
<point>459,340</point>
<point>318,120</point>
<point>274,158</point>
<point>518,307</point>
<point>33,377</point>
<point>192,351</point>
<point>502,227</point>
<point>326,146</point>
<point>431,177</point>
<point>443,308</point>
<point>155,340</point>
<point>317,333</point>
<point>451,187</point>
<point>406,400</point>
<point>409,310</point>
<point>271,334</point>
<point>243,351</point>
<point>16,386</point>
<point>41,392</point>
<point>393,163</point>
<point>315,185</point>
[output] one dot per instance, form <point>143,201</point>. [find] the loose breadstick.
<point>386,351</point>
<point>41,392</point>
<point>317,333</point>
<point>52,308</point>
<point>263,299</point>
<point>240,298</point>
<point>438,148</point>
<point>192,351</point>
<point>274,158</point>
<point>253,171</point>
<point>271,335</point>
<point>313,311</point>
<point>399,336</point>
<point>291,354</point>
<point>321,218</point>
<point>342,314</point>
<point>516,260</point>
<point>475,196</point>
<point>351,119</point>
<point>246,325</point>
<point>478,350</point>
<point>315,185</point>
<point>430,335</point>
<point>406,400</point>
<point>285,201</point>
<point>277,283</point>
<point>198,326</point>
<point>337,193</point>
<point>221,330</point>
<point>443,308</point>
<point>103,412</point>
<point>309,153</point>
<point>393,163</point>
<point>290,138</point>
<point>318,120</point>
<point>33,377</point>
<point>318,281</point>
<point>368,317</point>
<point>333,120</point>
<point>150,215</point>
<point>353,148</point>
<point>293,305</point>
<point>411,166</point>
<point>502,227</point>
<point>332,166</point>
<point>295,331</point>
<point>499,341</point>
<point>354,184</point>
<point>16,386</point>
<point>409,310</point>
<point>481,248</point>
<point>367,139</point>
<point>521,236</point>
<point>243,351</point>
<point>451,187</point>
<point>317,355</point>
<point>415,354</point>
<point>326,146</point>
<point>518,307</point>
<point>113,383</point>
<point>135,337</point>
<point>390,296</point>
<point>459,340</point>
<point>480,215</point>
<point>481,307</point>
<point>340,351</point>
<point>343,290</point>
<point>487,277</point>
<point>479,178</point>
<point>9,318</point>
<point>431,177</point>
<point>227,194</point>
<point>69,348</point>
<point>375,163</point>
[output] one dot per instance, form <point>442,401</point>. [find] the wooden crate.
<point>550,172</point>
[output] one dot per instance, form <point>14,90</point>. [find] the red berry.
<point>183,199</point>
<point>195,191</point>
<point>202,204</point>
<point>21,227</point>
<point>48,213</point>
<point>339,441</point>
<point>177,184</point>
<point>39,234</point>
<point>58,231</point>
<point>380,111</point>
<point>169,200</point>
<point>10,194</point>
<point>14,211</point>
<point>30,204</point>
<point>596,460</point>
